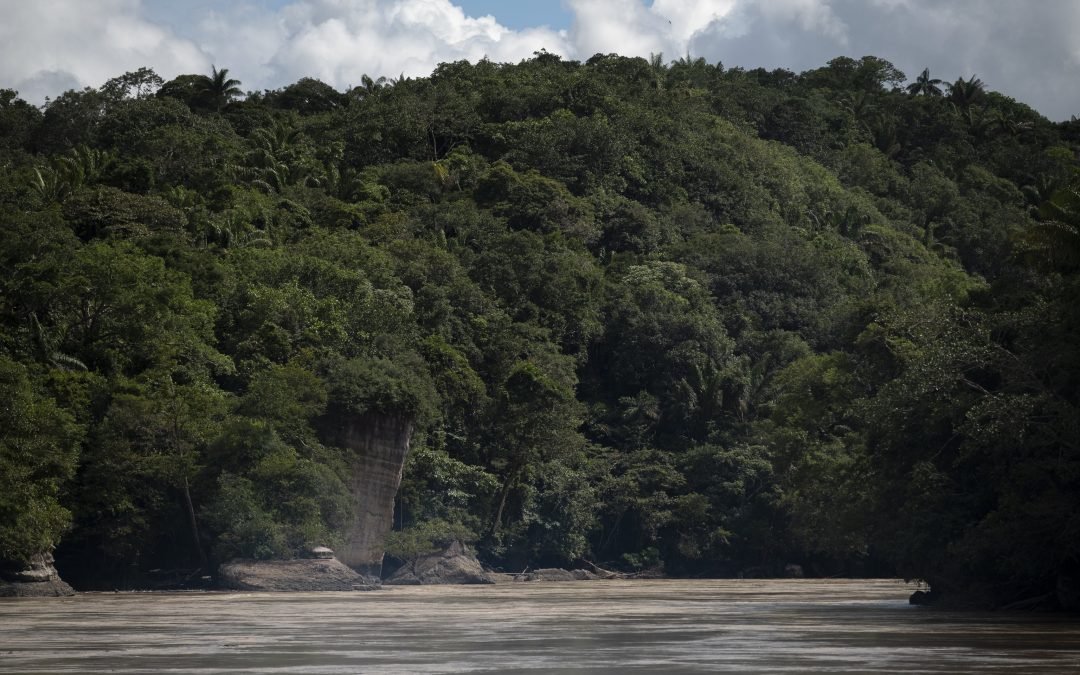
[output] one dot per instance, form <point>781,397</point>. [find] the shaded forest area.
<point>643,314</point>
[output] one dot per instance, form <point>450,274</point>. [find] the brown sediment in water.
<point>613,626</point>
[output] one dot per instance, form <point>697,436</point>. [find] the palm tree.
<point>687,73</point>
<point>218,89</point>
<point>859,103</point>
<point>1010,123</point>
<point>658,69</point>
<point>885,130</point>
<point>965,93</point>
<point>925,85</point>
<point>275,160</point>
<point>367,87</point>
<point>278,140</point>
<point>1055,239</point>
<point>66,174</point>
<point>980,121</point>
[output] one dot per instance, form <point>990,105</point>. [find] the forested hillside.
<point>708,319</point>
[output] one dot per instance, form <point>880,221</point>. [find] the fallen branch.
<point>603,573</point>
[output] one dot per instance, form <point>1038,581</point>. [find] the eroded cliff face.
<point>38,579</point>
<point>378,445</point>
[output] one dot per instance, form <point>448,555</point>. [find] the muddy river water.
<point>612,626</point>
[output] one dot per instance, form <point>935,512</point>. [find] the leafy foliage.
<point>644,313</point>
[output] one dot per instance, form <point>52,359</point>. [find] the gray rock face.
<point>321,552</point>
<point>318,574</point>
<point>924,598</point>
<point>378,445</point>
<point>31,576</point>
<point>39,580</point>
<point>556,574</point>
<point>455,565</point>
<point>551,574</point>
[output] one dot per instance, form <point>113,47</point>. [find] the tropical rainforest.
<point>647,314</point>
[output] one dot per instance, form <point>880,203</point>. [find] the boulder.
<point>454,565</point>
<point>924,598</point>
<point>793,571</point>
<point>31,576</point>
<point>555,574</point>
<point>54,588</point>
<point>38,580</point>
<point>321,552</point>
<point>551,574</point>
<point>756,572</point>
<point>319,574</point>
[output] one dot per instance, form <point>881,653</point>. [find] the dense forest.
<point>655,315</point>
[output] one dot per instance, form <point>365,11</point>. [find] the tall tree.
<point>925,85</point>
<point>219,89</point>
<point>965,93</point>
<point>39,444</point>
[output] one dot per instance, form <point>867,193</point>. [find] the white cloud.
<point>812,16</point>
<point>338,41</point>
<point>690,18</point>
<point>47,46</point>
<point>617,26</point>
<point>1025,49</point>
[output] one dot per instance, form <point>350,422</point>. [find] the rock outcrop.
<point>556,574</point>
<point>321,552</point>
<point>39,580</point>
<point>377,447</point>
<point>454,565</point>
<point>319,574</point>
<point>925,598</point>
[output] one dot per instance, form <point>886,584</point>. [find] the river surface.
<point>603,626</point>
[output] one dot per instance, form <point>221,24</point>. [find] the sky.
<point>1027,49</point>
